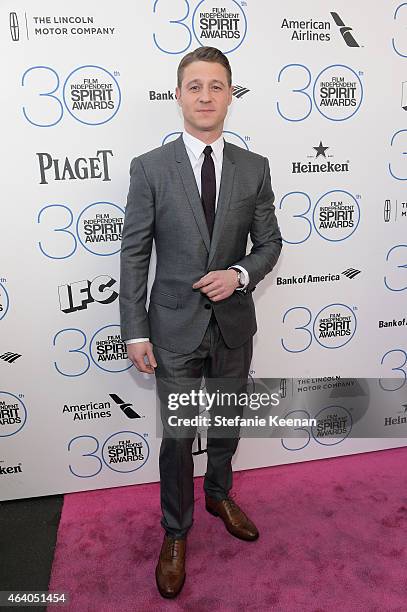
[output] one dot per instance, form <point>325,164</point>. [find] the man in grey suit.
<point>198,198</point>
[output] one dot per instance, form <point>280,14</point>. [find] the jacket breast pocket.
<point>163,299</point>
<point>248,202</point>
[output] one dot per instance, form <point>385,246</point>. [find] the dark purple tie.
<point>208,188</point>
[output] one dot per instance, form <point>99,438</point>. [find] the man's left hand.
<point>218,284</point>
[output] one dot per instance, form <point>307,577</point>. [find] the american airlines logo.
<point>14,27</point>
<point>238,91</point>
<point>345,31</point>
<point>10,357</point>
<point>350,272</point>
<point>127,408</point>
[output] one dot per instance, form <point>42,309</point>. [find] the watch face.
<point>239,277</point>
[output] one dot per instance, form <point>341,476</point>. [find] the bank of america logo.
<point>345,31</point>
<point>351,272</point>
<point>10,357</point>
<point>14,28</point>
<point>126,408</point>
<point>238,91</point>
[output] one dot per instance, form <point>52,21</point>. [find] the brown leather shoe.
<point>170,570</point>
<point>236,521</point>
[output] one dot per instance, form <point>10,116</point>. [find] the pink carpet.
<point>333,535</point>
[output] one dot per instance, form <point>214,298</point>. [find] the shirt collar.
<point>197,146</point>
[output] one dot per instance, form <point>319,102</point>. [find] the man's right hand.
<point>142,356</point>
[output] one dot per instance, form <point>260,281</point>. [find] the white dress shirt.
<point>195,149</point>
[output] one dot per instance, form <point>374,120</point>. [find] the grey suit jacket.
<point>164,204</point>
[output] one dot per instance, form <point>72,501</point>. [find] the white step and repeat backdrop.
<point>89,85</point>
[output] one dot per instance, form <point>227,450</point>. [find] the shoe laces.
<point>232,505</point>
<point>174,545</point>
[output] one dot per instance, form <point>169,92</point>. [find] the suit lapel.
<point>191,189</point>
<point>225,192</point>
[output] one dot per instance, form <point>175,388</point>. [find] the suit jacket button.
<point>208,306</point>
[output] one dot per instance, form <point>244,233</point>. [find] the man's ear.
<point>230,94</point>
<point>178,95</point>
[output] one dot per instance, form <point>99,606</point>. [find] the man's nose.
<point>205,95</point>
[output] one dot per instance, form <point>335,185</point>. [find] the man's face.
<point>204,96</point>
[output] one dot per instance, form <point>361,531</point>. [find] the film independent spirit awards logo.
<point>13,414</point>
<point>92,95</point>
<point>336,215</point>
<point>100,227</point>
<point>221,26</point>
<point>4,299</point>
<point>335,326</point>
<point>338,92</point>
<point>108,351</point>
<point>125,451</point>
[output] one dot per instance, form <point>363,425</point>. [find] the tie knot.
<point>207,150</point>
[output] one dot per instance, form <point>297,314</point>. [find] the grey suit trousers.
<point>215,361</point>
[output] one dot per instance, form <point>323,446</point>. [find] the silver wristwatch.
<point>239,277</point>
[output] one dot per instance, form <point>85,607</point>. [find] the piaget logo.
<point>82,168</point>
